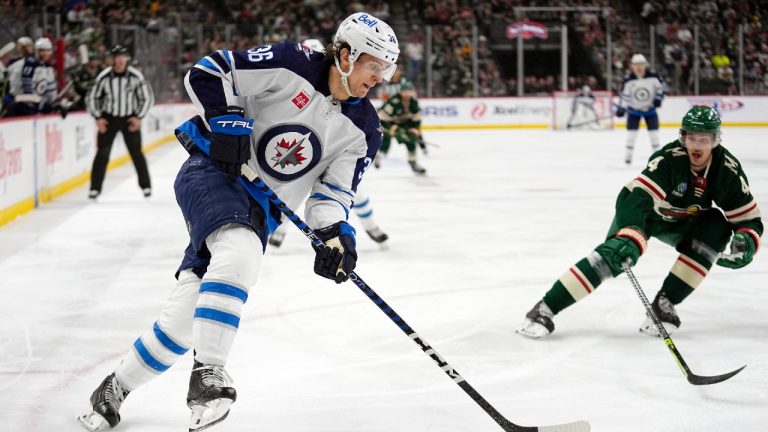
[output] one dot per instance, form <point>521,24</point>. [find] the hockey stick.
<point>692,377</point>
<point>257,188</point>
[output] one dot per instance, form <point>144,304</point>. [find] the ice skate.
<point>277,237</point>
<point>93,194</point>
<point>377,160</point>
<point>105,405</point>
<point>377,235</point>
<point>417,169</point>
<point>147,192</point>
<point>665,312</point>
<point>210,395</point>
<point>538,321</point>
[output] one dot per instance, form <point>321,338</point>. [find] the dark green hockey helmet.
<point>406,85</point>
<point>701,119</point>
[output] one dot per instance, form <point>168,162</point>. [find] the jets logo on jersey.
<point>288,151</point>
<point>641,94</point>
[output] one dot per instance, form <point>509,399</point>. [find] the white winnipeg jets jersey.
<point>638,94</point>
<point>304,142</point>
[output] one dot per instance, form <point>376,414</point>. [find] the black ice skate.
<point>418,169</point>
<point>210,395</point>
<point>377,235</point>
<point>665,312</point>
<point>105,405</point>
<point>538,321</point>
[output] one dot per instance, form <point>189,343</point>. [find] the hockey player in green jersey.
<point>671,200</point>
<point>401,118</point>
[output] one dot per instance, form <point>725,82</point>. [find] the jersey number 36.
<point>261,53</point>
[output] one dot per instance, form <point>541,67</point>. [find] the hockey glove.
<point>338,258</point>
<point>620,111</point>
<point>742,252</point>
<point>657,101</point>
<point>230,138</point>
<point>627,245</point>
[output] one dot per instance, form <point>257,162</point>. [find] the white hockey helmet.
<point>639,59</point>
<point>24,41</point>
<point>43,43</point>
<point>314,44</point>
<point>365,33</point>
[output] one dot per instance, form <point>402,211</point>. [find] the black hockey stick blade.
<point>705,380</point>
<point>690,376</point>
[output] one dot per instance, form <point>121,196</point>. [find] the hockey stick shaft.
<point>690,376</point>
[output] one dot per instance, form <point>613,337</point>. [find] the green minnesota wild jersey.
<point>669,192</point>
<point>396,111</point>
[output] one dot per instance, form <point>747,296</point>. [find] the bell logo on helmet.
<point>365,19</point>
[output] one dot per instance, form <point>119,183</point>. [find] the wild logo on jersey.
<point>288,151</point>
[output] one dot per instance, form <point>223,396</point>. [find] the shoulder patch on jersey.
<point>288,151</point>
<point>301,100</point>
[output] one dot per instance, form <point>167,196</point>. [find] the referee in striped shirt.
<point>119,99</point>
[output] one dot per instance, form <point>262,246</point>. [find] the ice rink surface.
<point>473,246</point>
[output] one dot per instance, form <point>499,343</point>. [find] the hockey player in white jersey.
<point>642,92</point>
<point>303,122</point>
<point>32,82</point>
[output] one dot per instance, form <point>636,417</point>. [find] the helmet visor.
<point>376,66</point>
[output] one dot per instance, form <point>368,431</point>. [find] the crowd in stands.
<point>185,30</point>
<point>718,25</point>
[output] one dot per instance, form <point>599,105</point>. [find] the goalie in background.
<point>583,110</point>
<point>694,196</point>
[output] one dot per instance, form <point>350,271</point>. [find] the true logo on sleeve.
<point>300,100</point>
<point>288,151</point>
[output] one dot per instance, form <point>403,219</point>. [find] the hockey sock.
<point>576,283</point>
<point>630,146</point>
<point>169,338</point>
<point>364,211</point>
<point>687,273</point>
<point>654,134</point>
<point>236,254</point>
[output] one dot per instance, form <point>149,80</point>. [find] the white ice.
<point>473,246</point>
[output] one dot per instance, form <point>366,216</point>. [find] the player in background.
<point>583,107</point>
<point>401,118</point>
<point>32,83</point>
<point>642,92</point>
<point>671,200</point>
<point>302,121</point>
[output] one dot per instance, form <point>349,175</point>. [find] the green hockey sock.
<point>687,273</point>
<point>576,283</point>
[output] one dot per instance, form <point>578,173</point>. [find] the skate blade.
<point>532,330</point>
<point>93,421</point>
<point>209,414</point>
<point>649,328</point>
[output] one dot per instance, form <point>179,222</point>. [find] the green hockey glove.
<point>628,244</point>
<point>742,251</point>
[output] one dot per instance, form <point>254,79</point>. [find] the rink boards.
<point>42,157</point>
